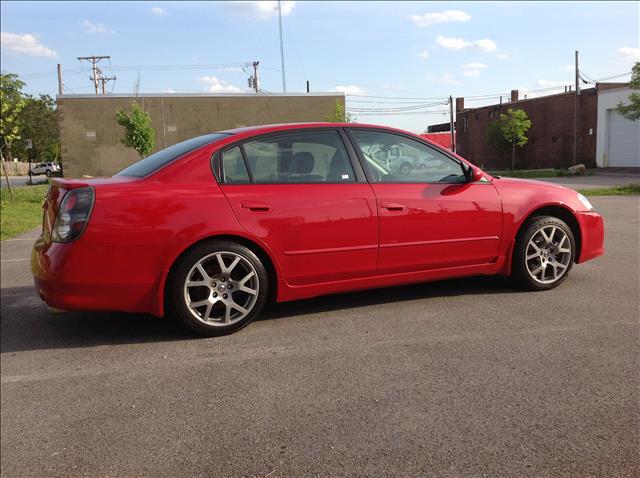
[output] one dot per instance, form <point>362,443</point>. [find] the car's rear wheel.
<point>217,288</point>
<point>544,253</point>
<point>49,173</point>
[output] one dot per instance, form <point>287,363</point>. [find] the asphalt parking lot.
<point>456,378</point>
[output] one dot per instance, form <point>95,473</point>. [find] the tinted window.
<point>233,166</point>
<point>394,158</point>
<point>309,157</point>
<point>163,157</point>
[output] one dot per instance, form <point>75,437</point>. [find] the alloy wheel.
<point>221,288</point>
<point>548,254</point>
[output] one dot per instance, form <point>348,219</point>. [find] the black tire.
<point>176,296</point>
<point>520,272</point>
<point>49,173</point>
<point>405,168</point>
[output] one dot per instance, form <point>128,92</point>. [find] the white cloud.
<point>454,43</point>
<point>471,73</point>
<point>160,12</point>
<point>503,56</point>
<point>445,78</point>
<point>428,19</point>
<point>474,66</point>
<point>216,85</point>
<point>629,52</point>
<point>350,90</point>
<point>424,54</point>
<point>260,10</point>
<point>91,27</point>
<point>485,44</point>
<point>26,44</point>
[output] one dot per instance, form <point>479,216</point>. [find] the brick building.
<point>550,142</point>
<point>91,137</point>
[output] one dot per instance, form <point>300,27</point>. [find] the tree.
<point>514,126</point>
<point>39,123</point>
<point>11,104</point>
<point>495,137</point>
<point>339,115</point>
<point>139,133</point>
<point>632,110</point>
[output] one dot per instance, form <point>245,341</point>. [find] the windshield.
<point>152,163</point>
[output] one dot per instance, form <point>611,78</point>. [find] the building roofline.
<point>200,95</point>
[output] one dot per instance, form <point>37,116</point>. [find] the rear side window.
<point>235,170</point>
<point>306,157</point>
<point>152,163</point>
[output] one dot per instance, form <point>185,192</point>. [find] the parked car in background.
<point>210,229</point>
<point>50,169</point>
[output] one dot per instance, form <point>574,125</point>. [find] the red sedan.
<point>210,229</point>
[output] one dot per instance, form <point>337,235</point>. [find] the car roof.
<point>294,126</point>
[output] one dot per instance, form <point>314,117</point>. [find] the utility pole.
<point>308,86</point>
<point>255,81</point>
<point>95,78</point>
<point>60,89</point>
<point>104,80</point>
<point>575,114</point>
<point>284,81</point>
<point>451,125</point>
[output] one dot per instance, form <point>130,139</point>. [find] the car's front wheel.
<point>544,253</point>
<point>49,173</point>
<point>217,288</point>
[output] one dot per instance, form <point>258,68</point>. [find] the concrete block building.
<point>91,137</point>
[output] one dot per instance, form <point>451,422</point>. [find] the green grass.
<point>21,212</point>
<point>628,190</point>
<point>532,173</point>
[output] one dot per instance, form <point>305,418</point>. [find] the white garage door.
<point>624,141</point>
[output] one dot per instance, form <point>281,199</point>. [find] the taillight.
<point>73,215</point>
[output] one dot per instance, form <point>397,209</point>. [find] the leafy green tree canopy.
<point>632,110</point>
<point>39,123</point>
<point>11,104</point>
<point>139,133</point>
<point>339,115</point>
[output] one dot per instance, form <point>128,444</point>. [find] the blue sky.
<point>406,53</point>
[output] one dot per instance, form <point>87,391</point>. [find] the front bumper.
<point>592,235</point>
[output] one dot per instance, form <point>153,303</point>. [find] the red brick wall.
<point>550,138</point>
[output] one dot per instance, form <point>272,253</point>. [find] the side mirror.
<point>471,173</point>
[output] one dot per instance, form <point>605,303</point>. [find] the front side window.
<point>306,157</point>
<point>395,158</point>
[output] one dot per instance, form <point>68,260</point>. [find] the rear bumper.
<point>79,276</point>
<point>592,233</point>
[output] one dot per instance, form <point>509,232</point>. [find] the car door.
<point>308,200</point>
<point>430,217</point>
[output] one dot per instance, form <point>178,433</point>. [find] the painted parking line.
<point>15,260</point>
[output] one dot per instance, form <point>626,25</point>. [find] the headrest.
<point>303,163</point>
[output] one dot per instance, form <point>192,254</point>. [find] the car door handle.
<point>255,206</point>
<point>393,206</point>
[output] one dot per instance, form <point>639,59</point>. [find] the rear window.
<point>152,163</point>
